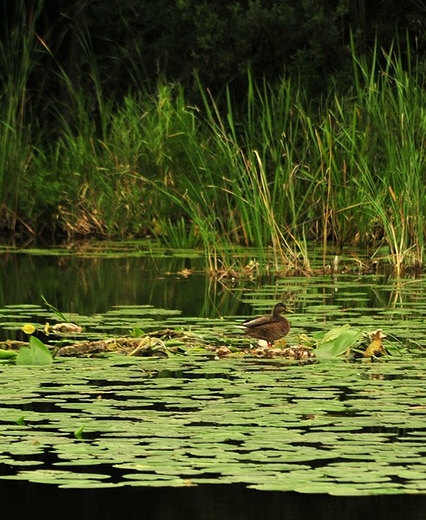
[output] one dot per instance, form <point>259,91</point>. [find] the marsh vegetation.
<point>266,166</point>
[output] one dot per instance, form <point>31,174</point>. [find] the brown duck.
<point>271,327</point>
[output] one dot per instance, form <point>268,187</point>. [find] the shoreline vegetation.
<point>285,174</point>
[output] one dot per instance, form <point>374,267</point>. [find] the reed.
<point>19,133</point>
<point>251,175</point>
<point>278,176</point>
<point>392,162</point>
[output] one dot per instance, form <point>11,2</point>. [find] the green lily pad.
<point>36,354</point>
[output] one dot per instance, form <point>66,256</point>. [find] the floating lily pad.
<point>332,427</point>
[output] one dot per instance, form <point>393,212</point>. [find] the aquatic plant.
<point>35,354</point>
<point>313,429</point>
<point>282,176</point>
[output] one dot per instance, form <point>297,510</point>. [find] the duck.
<point>270,327</point>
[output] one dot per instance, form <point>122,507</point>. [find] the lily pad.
<point>36,354</point>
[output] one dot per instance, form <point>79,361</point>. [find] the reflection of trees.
<point>94,285</point>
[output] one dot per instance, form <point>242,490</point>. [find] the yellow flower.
<point>28,328</point>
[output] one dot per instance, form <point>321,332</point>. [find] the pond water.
<point>198,437</point>
<point>90,284</point>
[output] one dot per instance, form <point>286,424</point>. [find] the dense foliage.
<point>132,43</point>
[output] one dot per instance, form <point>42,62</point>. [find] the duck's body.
<point>271,327</point>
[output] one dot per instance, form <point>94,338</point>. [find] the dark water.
<point>91,284</point>
<point>94,285</point>
<point>209,502</point>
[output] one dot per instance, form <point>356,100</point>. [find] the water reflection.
<point>94,285</point>
<point>88,285</point>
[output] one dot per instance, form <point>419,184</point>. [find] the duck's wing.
<point>258,322</point>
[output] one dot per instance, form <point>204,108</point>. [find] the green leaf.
<point>57,312</point>
<point>7,354</point>
<point>36,354</point>
<point>347,339</point>
<point>78,434</point>
<point>333,333</point>
<point>336,341</point>
<point>137,332</point>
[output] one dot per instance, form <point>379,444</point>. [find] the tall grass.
<point>259,183</point>
<point>19,134</point>
<point>278,176</point>
<point>282,176</point>
<point>384,144</point>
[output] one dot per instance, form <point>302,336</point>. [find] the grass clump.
<point>279,176</point>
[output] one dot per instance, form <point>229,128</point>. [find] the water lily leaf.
<point>7,354</point>
<point>348,339</point>
<point>36,354</point>
<point>328,427</point>
<point>338,340</point>
<point>330,335</point>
